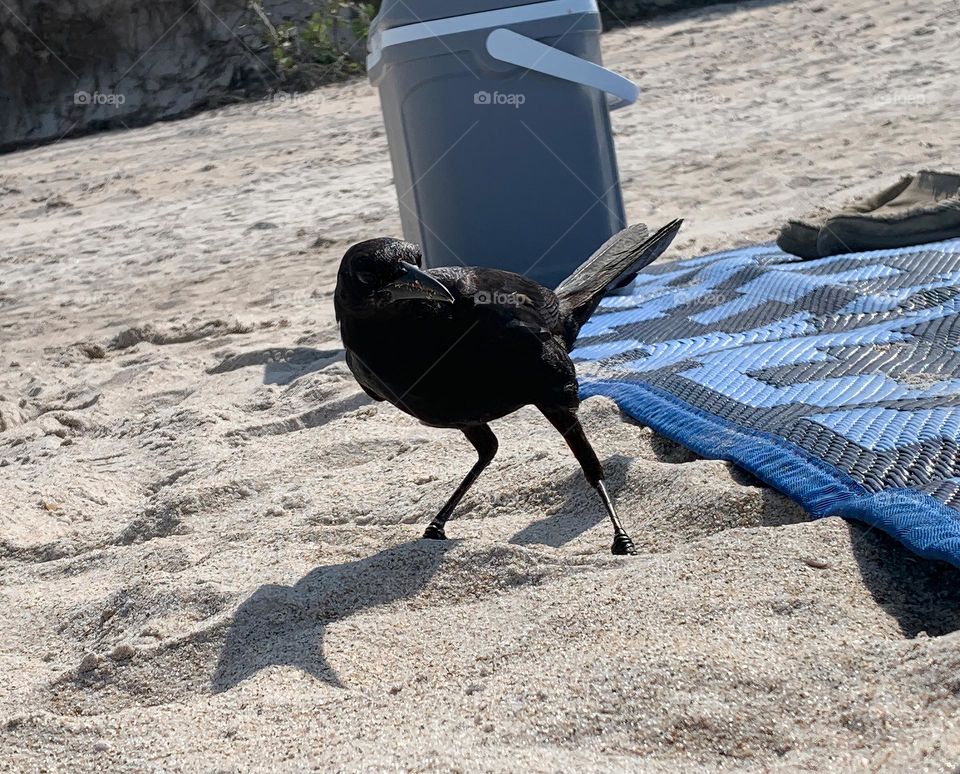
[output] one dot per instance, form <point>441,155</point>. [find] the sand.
<point>209,554</point>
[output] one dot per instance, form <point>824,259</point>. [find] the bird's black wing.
<point>519,301</point>
<point>364,376</point>
<point>518,322</point>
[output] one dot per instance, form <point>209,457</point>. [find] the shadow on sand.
<point>284,625</point>
<point>281,365</point>
<point>922,595</point>
<point>572,519</point>
<point>658,16</point>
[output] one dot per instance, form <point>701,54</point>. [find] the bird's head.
<point>382,271</point>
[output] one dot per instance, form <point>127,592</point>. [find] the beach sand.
<point>209,554</point>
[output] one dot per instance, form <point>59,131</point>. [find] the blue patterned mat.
<point>836,380</point>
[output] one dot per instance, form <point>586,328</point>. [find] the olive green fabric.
<point>928,210</point>
<point>916,209</point>
<point>800,236</point>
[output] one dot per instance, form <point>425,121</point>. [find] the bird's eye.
<point>366,277</point>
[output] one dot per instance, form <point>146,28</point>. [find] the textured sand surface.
<point>208,534</point>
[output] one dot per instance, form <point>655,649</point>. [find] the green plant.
<point>328,46</point>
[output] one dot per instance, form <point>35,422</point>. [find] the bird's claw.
<point>433,532</point>
<point>623,545</point>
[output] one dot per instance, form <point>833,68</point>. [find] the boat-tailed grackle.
<point>458,347</point>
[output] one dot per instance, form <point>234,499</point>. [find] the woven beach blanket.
<point>836,380</point>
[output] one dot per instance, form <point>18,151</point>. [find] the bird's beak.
<point>416,284</point>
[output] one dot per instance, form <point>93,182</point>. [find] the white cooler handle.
<point>516,49</point>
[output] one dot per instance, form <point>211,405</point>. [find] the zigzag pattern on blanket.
<point>855,359</point>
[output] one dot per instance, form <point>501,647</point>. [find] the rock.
<point>92,350</point>
<point>116,75</point>
<point>123,652</point>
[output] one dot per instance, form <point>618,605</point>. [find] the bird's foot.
<point>434,532</point>
<point>623,545</point>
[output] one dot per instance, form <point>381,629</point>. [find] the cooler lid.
<point>397,13</point>
<point>397,23</point>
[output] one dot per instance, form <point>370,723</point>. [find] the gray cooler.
<point>497,118</point>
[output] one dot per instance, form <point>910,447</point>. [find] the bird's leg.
<point>569,426</point>
<point>485,442</point>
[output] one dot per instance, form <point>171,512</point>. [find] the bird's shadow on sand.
<point>281,365</point>
<point>284,625</point>
<point>571,520</point>
<point>922,595</point>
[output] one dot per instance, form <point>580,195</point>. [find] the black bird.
<point>458,347</point>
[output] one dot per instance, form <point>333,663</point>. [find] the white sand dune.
<point>208,534</point>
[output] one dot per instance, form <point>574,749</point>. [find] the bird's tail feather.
<point>618,261</point>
